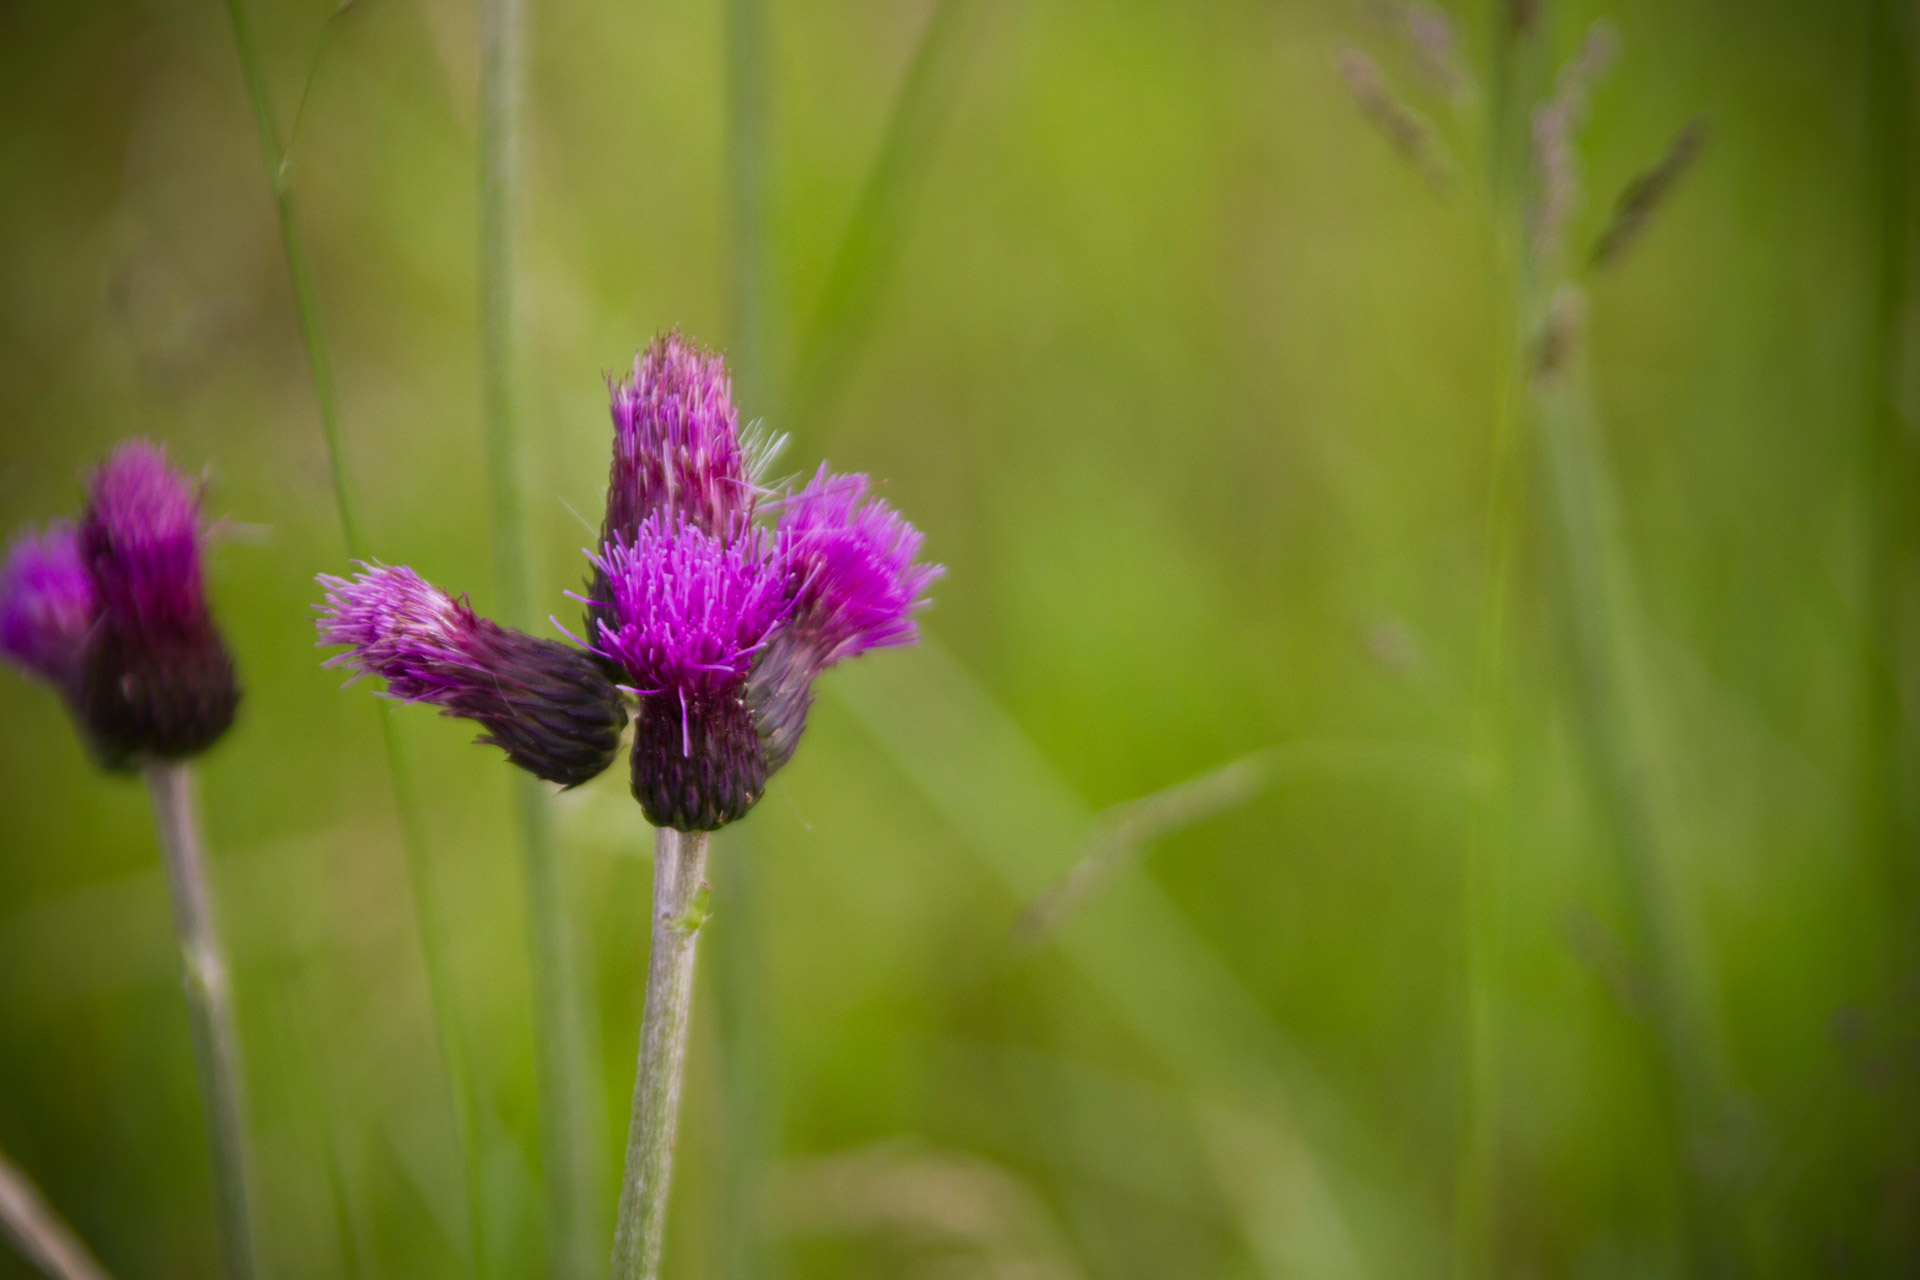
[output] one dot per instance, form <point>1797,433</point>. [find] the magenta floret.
<point>48,606</point>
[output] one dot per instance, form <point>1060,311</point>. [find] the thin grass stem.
<point>564,1050</point>
<point>1477,1208</point>
<point>746,1250</point>
<point>41,1235</point>
<point>208,982</point>
<point>866,254</point>
<point>679,909</point>
<point>426,899</point>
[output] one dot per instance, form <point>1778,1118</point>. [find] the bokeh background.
<point>1559,929</point>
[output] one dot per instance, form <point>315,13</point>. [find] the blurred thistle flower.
<point>546,704</point>
<point>720,628</point>
<point>114,614</point>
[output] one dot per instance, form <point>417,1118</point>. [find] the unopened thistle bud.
<point>549,706</point>
<point>678,451</point>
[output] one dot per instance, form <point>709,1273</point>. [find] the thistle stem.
<point>679,909</point>
<point>412,830</point>
<point>43,1239</point>
<point>203,972</point>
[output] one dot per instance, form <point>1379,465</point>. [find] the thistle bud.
<point>549,706</point>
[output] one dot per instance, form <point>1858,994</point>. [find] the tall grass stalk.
<point>1592,567</point>
<point>680,898</point>
<point>1611,682</point>
<point>208,981</point>
<point>421,877</point>
<point>749,1122</point>
<point>1887,481</point>
<point>1477,1211</point>
<point>861,265</point>
<point>566,1056</point>
<point>39,1233</point>
<point>744,1078</point>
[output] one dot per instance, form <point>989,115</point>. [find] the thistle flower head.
<point>48,605</point>
<point>155,679</point>
<point>547,705</point>
<point>847,562</point>
<point>687,613</point>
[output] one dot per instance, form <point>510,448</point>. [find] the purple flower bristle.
<point>689,610</point>
<point>140,537</point>
<point>849,564</point>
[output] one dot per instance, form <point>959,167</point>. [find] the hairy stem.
<point>413,832</point>
<point>679,909</point>
<point>42,1238</point>
<point>209,988</point>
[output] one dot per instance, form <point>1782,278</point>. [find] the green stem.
<point>426,900</point>
<point>570,1122</point>
<point>209,987</point>
<point>1477,1209</point>
<point>866,253</point>
<point>747,1125</point>
<point>1892,829</point>
<point>679,909</point>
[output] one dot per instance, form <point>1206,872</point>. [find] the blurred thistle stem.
<point>571,1118</point>
<point>209,988</point>
<point>41,1236</point>
<point>424,884</point>
<point>680,900</point>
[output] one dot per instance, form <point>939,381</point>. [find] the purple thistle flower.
<point>688,613</point>
<point>48,606</point>
<point>158,681</point>
<point>848,564</point>
<point>547,705</point>
<point>721,628</point>
<point>114,614</point>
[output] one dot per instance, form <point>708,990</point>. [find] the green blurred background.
<point>1193,384</point>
